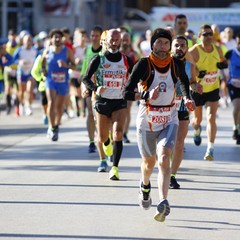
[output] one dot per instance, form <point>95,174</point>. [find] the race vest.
<point>208,62</point>
<point>112,76</point>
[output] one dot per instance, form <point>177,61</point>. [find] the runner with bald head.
<point>111,70</point>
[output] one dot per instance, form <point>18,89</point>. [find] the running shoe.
<point>125,138</point>
<point>145,200</point>
<point>55,134</point>
<point>238,139</point>
<point>21,110</point>
<point>108,150</point>
<point>92,148</point>
<point>235,134</point>
<point>197,137</point>
<point>163,209</point>
<point>113,174</point>
<point>28,111</point>
<point>45,120</point>
<point>49,133</point>
<point>103,167</point>
<point>110,158</point>
<point>173,183</point>
<point>8,110</point>
<point>209,154</point>
<point>17,111</point>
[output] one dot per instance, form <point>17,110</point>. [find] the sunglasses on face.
<point>207,34</point>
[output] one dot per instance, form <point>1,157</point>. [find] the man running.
<point>179,51</point>
<point>209,59</point>
<point>111,69</point>
<point>157,119</point>
<point>56,62</point>
<point>233,56</point>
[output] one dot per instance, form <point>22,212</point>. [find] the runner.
<point>179,51</point>
<point>209,58</point>
<point>92,50</point>
<point>233,57</point>
<point>157,119</point>
<point>5,60</point>
<point>57,60</point>
<point>10,75</point>
<point>111,69</point>
<point>25,56</point>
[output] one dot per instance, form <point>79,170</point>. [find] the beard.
<point>179,54</point>
<point>114,49</point>
<point>160,54</point>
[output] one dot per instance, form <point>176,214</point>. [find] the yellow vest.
<point>11,51</point>
<point>190,43</point>
<point>208,62</point>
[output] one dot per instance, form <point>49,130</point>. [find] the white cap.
<point>42,35</point>
<point>23,33</point>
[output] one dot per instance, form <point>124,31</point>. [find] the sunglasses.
<point>207,34</point>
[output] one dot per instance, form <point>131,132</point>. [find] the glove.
<point>202,74</point>
<point>222,65</point>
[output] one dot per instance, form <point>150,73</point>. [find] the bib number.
<point>159,115</point>
<point>116,84</point>
<point>210,78</point>
<point>58,77</point>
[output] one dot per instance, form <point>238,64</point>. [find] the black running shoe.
<point>55,134</point>
<point>145,200</point>
<point>235,134</point>
<point>92,148</point>
<point>238,139</point>
<point>125,138</point>
<point>173,183</point>
<point>197,137</point>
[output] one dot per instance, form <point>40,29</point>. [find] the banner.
<point>57,7</point>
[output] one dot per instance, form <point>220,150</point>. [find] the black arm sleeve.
<point>183,78</point>
<point>92,68</point>
<point>139,73</point>
<point>130,64</point>
<point>228,54</point>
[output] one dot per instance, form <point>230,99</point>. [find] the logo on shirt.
<point>106,65</point>
<point>162,87</point>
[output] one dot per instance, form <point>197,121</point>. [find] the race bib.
<point>26,67</point>
<point>159,115</point>
<point>235,82</point>
<point>113,84</point>
<point>210,78</point>
<point>11,72</point>
<point>59,77</point>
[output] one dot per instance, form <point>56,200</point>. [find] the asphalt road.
<point>51,190</point>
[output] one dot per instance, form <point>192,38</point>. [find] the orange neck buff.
<point>161,63</point>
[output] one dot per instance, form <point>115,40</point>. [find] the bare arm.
<point>71,59</point>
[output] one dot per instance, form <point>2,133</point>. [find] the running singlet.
<point>55,73</point>
<point>112,76</point>
<point>26,58</point>
<point>160,112</point>
<point>11,49</point>
<point>89,54</point>
<point>208,62</point>
<point>234,68</point>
